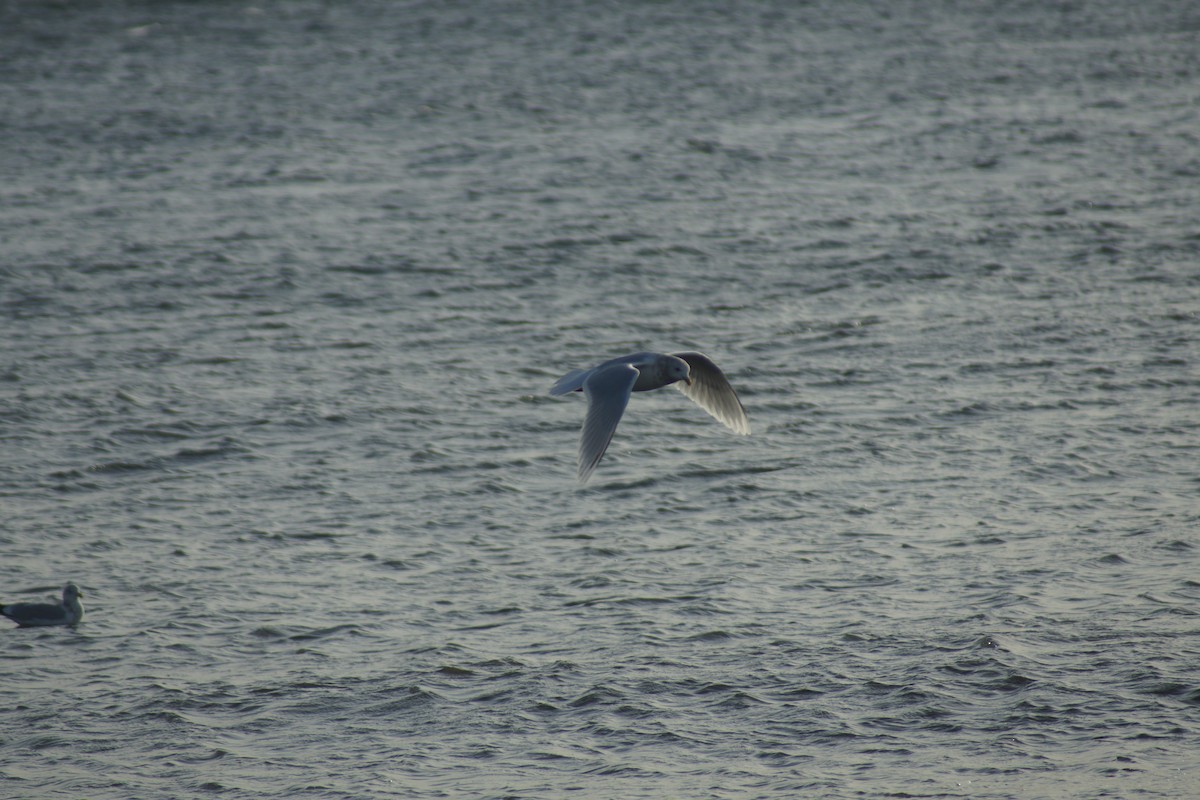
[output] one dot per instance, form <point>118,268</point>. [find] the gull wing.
<point>607,389</point>
<point>35,614</point>
<point>711,391</point>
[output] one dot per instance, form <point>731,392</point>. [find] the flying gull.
<point>607,387</point>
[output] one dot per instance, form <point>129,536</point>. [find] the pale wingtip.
<point>585,472</point>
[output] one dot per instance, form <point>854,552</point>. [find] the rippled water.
<point>284,287</point>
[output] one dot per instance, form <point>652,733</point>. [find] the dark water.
<point>284,286</point>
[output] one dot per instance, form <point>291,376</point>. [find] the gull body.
<point>608,386</point>
<point>40,615</point>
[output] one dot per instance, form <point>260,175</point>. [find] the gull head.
<point>676,369</point>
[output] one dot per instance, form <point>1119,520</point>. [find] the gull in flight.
<point>39,615</point>
<point>607,387</point>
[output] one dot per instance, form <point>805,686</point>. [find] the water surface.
<point>284,287</point>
